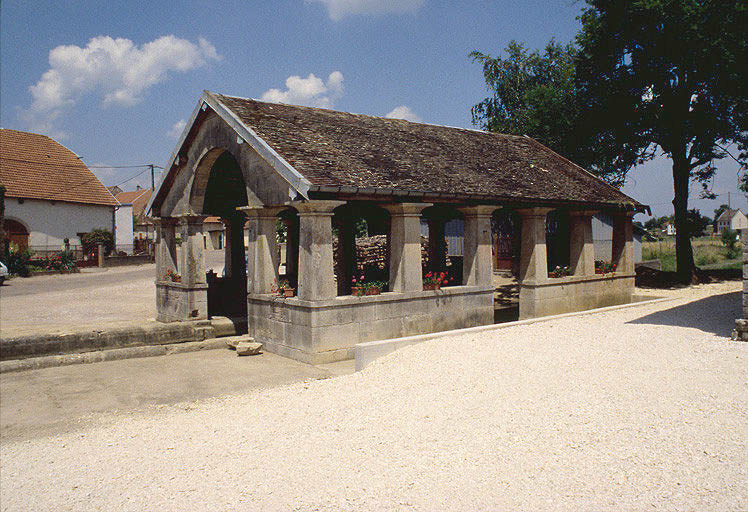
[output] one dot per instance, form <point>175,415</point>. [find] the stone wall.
<point>326,331</point>
<point>574,293</point>
<point>177,301</point>
<point>371,251</point>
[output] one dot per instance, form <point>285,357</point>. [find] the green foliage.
<point>533,94</point>
<point>18,262</point>
<point>96,237</point>
<point>667,75</point>
<point>729,239</point>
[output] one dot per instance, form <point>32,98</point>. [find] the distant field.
<point>707,252</point>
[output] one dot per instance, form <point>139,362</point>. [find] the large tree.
<point>669,76</point>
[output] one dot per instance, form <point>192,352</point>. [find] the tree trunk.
<point>683,252</point>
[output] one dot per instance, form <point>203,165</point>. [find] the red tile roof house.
<point>318,172</point>
<point>50,194</point>
<point>133,205</point>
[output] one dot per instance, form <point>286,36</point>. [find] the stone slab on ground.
<point>248,348</point>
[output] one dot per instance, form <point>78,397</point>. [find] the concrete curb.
<point>34,363</point>
<point>366,353</point>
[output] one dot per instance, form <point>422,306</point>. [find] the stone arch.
<point>214,137</point>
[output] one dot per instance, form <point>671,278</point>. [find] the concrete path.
<point>54,401</point>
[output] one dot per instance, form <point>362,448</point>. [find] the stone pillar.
<point>263,256</point>
<point>477,263</point>
<point>346,254</point>
<point>227,270</point>
<point>405,246</point>
<point>166,246</point>
<point>623,242</point>
<point>100,255</point>
<point>316,274</point>
<point>581,246</point>
<point>193,255</point>
<point>437,248</point>
<point>533,265</point>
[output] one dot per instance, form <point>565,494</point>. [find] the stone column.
<point>437,248</point>
<point>263,256</point>
<point>477,263</point>
<point>346,254</point>
<point>581,245</point>
<point>405,246</point>
<point>193,254</point>
<point>166,246</point>
<point>227,270</point>
<point>533,265</point>
<point>316,274</point>
<point>623,242</point>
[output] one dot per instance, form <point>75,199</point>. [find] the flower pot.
<point>373,291</point>
<point>432,286</point>
<point>289,292</point>
<point>357,290</point>
<point>176,279</point>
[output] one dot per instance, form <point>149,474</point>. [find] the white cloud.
<point>176,130</point>
<point>116,69</point>
<point>310,91</point>
<point>404,112</point>
<point>339,9</point>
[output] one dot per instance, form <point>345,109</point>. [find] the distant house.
<point>731,219</point>
<point>669,229</point>
<point>50,195</point>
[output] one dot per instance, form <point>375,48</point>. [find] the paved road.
<point>93,298</point>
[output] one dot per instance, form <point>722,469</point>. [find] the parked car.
<point>3,273</point>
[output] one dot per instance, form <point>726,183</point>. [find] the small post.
<point>100,254</point>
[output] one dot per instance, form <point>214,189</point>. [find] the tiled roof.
<point>338,149</point>
<point>137,198</point>
<point>34,166</point>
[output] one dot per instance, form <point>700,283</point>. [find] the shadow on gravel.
<point>715,314</point>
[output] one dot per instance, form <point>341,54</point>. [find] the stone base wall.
<point>574,293</point>
<point>176,302</point>
<point>326,331</point>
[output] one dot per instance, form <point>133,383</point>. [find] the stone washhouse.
<point>316,172</point>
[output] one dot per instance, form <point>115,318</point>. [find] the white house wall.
<point>49,223</point>
<point>123,233</point>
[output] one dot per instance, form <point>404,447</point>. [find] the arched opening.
<point>217,191</point>
<point>17,234</point>
<point>360,247</point>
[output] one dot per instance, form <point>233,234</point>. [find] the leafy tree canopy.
<point>667,75</point>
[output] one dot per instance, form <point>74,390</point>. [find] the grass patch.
<point>706,251</point>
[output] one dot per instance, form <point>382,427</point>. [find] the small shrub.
<point>96,237</point>
<point>18,262</point>
<point>729,239</point>
<point>63,260</point>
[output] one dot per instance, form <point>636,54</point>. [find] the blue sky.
<point>113,81</point>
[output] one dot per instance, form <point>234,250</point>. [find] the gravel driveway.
<point>643,408</point>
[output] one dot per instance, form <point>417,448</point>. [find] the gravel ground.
<point>641,408</point>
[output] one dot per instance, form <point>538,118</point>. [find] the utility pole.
<point>153,180</point>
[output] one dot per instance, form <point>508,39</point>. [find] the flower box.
<point>289,292</point>
<point>432,286</point>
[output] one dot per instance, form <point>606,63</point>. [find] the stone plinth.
<point>176,302</point>
<point>553,296</point>
<point>324,331</point>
